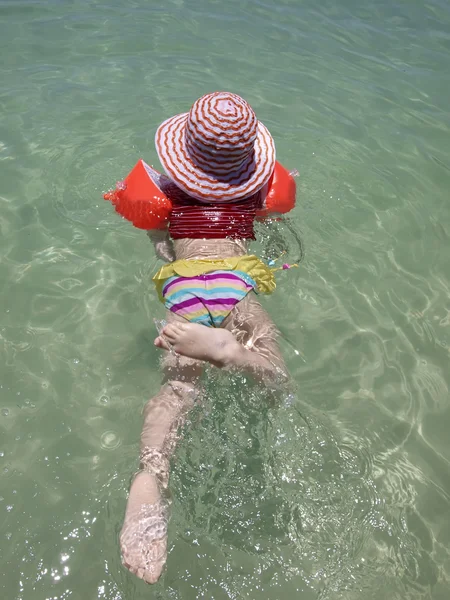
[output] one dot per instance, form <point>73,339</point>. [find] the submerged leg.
<point>143,538</point>
<point>254,329</point>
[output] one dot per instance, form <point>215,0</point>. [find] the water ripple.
<point>343,492</point>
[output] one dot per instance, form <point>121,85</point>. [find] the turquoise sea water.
<point>344,493</point>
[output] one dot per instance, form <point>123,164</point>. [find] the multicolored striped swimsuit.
<point>207,298</point>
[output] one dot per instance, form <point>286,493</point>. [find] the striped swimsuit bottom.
<point>207,298</point>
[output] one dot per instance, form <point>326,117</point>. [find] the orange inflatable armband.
<point>280,197</point>
<point>139,198</point>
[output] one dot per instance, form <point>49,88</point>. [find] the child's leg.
<point>248,341</point>
<point>254,329</point>
<point>143,538</point>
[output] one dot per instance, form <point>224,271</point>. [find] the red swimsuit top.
<point>150,200</point>
<point>190,218</point>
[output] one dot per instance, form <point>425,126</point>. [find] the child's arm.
<point>162,243</point>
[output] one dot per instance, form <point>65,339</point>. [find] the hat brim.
<point>209,186</point>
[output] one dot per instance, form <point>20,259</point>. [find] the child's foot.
<point>143,539</point>
<point>217,346</point>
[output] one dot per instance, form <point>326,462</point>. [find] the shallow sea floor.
<point>342,491</point>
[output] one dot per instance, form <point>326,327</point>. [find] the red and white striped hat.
<point>218,151</point>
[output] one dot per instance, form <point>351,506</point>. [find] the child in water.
<point>219,159</point>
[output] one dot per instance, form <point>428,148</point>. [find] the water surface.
<point>343,493</point>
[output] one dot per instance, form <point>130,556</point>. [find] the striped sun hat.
<point>218,151</point>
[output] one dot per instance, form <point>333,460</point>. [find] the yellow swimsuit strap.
<point>249,263</point>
